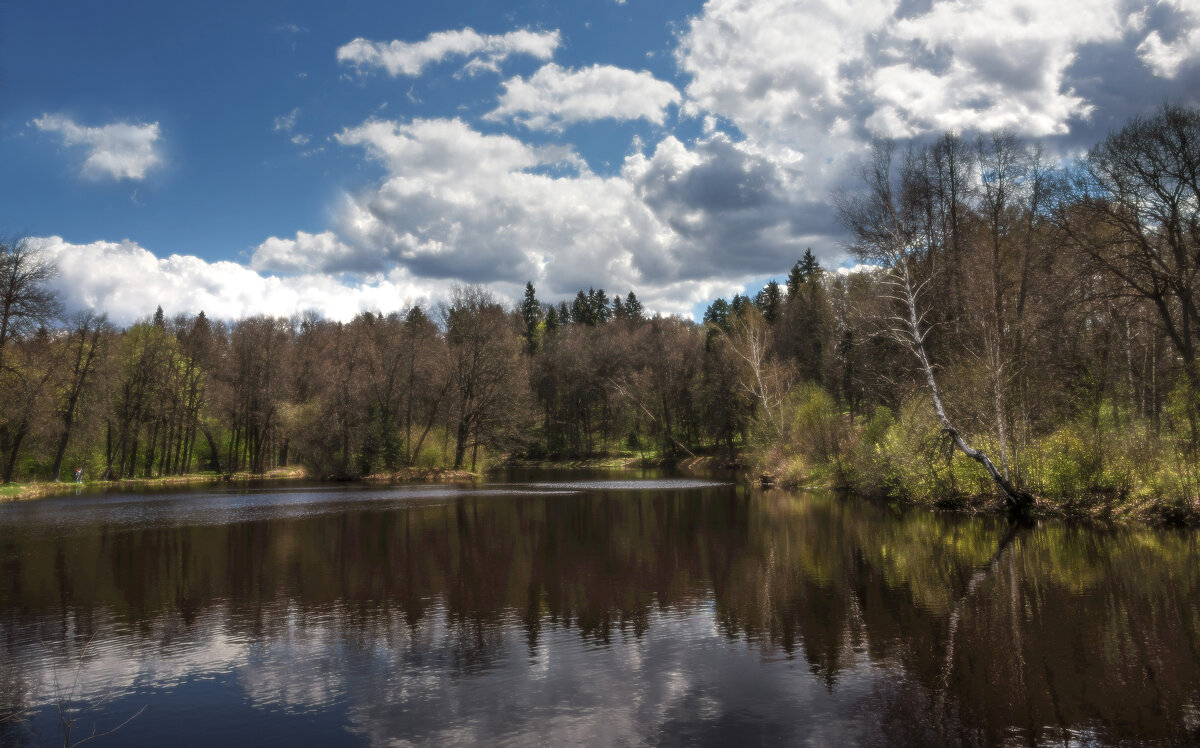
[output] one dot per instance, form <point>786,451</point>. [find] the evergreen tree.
<point>581,310</point>
<point>531,313</point>
<point>564,314</point>
<point>599,300</point>
<point>795,280</point>
<point>806,270</point>
<point>768,301</point>
<point>553,321</point>
<point>416,317</point>
<point>809,267</point>
<point>159,321</point>
<point>718,314</point>
<point>618,308</point>
<point>633,308</point>
<point>738,306</point>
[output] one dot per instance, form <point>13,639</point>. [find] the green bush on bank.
<point>1101,460</point>
<point>912,458</point>
<point>808,446</point>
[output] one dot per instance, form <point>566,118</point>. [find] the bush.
<point>867,470</point>
<point>919,462</point>
<point>811,444</point>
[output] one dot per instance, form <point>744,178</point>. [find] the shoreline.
<point>1090,509</point>
<point>45,489</point>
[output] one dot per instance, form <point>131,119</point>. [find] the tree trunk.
<point>1014,497</point>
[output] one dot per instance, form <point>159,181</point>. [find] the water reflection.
<point>565,611</point>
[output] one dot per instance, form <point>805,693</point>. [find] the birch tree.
<point>886,221</point>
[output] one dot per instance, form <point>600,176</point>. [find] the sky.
<point>274,157</point>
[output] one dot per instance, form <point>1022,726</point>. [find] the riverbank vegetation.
<point>1018,329</point>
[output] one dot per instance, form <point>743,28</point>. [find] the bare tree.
<point>1135,213</point>
<point>765,379</point>
<point>886,222</point>
<point>26,301</point>
<point>85,344</point>
<point>484,364</point>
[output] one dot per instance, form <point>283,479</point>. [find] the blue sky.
<point>277,156</point>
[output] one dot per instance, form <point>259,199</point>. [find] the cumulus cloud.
<point>120,150</point>
<point>787,94</point>
<point>554,96</point>
<point>1166,58</point>
<point>128,281</point>
<point>322,252</point>
<point>1003,67</point>
<point>728,206</point>
<point>821,77</point>
<point>461,204</point>
<point>678,226</point>
<point>485,51</point>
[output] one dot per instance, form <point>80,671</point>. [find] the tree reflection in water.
<point>640,614</point>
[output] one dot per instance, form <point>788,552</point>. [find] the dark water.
<point>560,609</point>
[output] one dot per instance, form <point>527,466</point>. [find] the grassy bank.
<point>1100,465</point>
<point>41,489</point>
<point>424,475</point>
<point>37,490</point>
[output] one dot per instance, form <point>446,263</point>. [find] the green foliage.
<point>919,463</point>
<point>633,308</point>
<point>531,314</point>
<point>811,445</point>
<point>867,472</point>
<point>1106,460</point>
<point>769,301</point>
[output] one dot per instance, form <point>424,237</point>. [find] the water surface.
<point>562,608</point>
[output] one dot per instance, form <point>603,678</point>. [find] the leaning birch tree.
<point>886,221</point>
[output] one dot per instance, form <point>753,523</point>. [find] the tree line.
<point>1022,326</point>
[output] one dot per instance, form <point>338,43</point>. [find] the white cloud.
<point>128,281</point>
<point>486,51</point>
<point>794,71</point>
<point>286,122</point>
<point>1004,66</point>
<point>119,151</point>
<point>809,82</point>
<point>1166,58</point>
<point>322,252</point>
<point>554,96</point>
<point>458,203</point>
<point>677,227</point>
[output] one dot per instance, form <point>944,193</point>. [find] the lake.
<point>609,608</point>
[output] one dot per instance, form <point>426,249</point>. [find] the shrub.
<point>920,463</point>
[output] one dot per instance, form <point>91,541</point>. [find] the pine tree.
<point>564,314</point>
<point>416,317</point>
<point>718,314</point>
<point>618,308</point>
<point>553,321</point>
<point>531,313</point>
<point>633,308</point>
<point>795,280</point>
<point>738,306</point>
<point>768,301</point>
<point>581,309</point>
<point>806,270</point>
<point>159,321</point>
<point>809,267</point>
<point>600,311</point>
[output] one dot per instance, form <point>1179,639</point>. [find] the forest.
<point>1019,329</point>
